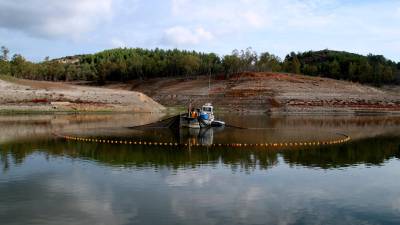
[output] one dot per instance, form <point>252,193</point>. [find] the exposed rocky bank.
<point>30,96</point>
<point>271,93</point>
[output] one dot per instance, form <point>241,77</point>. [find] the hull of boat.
<point>189,122</point>
<point>204,123</point>
<point>217,123</point>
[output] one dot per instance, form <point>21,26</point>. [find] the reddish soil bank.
<point>271,92</point>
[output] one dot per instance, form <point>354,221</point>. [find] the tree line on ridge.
<point>123,64</point>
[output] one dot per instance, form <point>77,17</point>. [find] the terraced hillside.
<point>271,92</point>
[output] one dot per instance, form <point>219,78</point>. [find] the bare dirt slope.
<point>52,96</point>
<point>271,92</point>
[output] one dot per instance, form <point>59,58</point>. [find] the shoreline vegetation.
<point>124,64</point>
<point>127,80</point>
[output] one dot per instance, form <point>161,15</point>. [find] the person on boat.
<point>193,113</point>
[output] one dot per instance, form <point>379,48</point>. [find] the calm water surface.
<point>49,180</point>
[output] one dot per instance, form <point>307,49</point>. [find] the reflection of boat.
<point>202,136</point>
<point>200,118</point>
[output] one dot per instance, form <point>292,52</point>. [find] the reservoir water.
<point>47,179</point>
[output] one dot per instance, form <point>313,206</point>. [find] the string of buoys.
<point>344,138</point>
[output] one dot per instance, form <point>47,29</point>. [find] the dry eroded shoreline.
<point>247,93</point>
<point>38,96</point>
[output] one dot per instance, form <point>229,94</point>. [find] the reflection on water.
<point>48,180</point>
<point>372,152</point>
<point>33,126</point>
<point>204,136</point>
<point>263,128</point>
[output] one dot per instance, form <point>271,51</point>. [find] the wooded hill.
<point>375,69</point>
<point>124,64</point>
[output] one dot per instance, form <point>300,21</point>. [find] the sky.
<point>55,28</point>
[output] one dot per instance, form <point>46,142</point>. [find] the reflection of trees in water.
<point>4,159</point>
<point>362,121</point>
<point>16,127</point>
<point>369,151</point>
<point>139,156</point>
<point>372,151</point>
<point>15,154</point>
<point>314,121</point>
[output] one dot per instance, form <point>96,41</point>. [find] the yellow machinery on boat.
<point>200,118</point>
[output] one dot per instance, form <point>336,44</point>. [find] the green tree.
<point>292,63</point>
<point>4,53</point>
<point>231,65</point>
<point>135,66</point>
<point>334,69</point>
<point>366,73</point>
<point>191,64</point>
<point>248,59</point>
<point>19,66</point>
<point>268,63</point>
<point>71,73</point>
<point>295,65</point>
<point>87,72</point>
<point>352,73</point>
<point>310,70</point>
<point>4,64</point>
<point>106,70</point>
<point>55,71</point>
<point>378,73</point>
<point>387,74</point>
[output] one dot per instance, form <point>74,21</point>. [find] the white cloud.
<point>246,15</point>
<point>298,24</point>
<point>49,18</point>
<point>205,25</point>
<point>254,19</point>
<point>306,14</point>
<point>179,35</point>
<point>87,198</point>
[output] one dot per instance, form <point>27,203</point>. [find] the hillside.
<point>30,96</point>
<point>271,92</point>
<point>372,69</point>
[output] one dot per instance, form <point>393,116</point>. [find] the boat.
<point>200,118</point>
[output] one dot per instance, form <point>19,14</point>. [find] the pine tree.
<point>352,73</point>
<point>295,66</point>
<point>334,69</point>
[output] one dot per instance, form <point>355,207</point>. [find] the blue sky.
<point>40,28</point>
